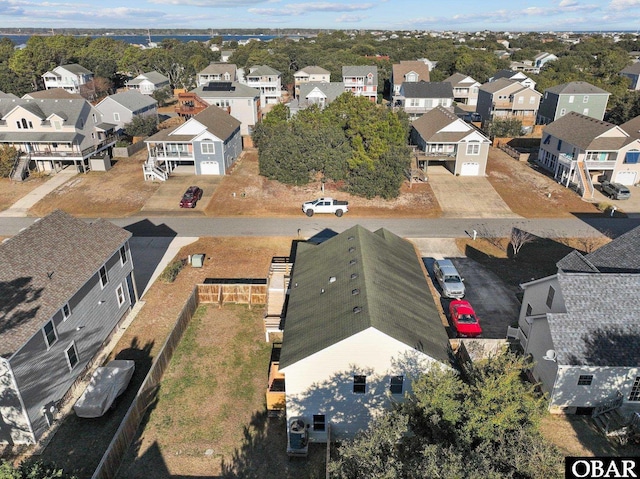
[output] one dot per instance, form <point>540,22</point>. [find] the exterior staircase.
<point>584,178</point>
<point>19,171</point>
<point>277,290</point>
<point>153,172</point>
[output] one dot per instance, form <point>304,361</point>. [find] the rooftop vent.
<point>352,249</point>
<point>354,275</point>
<point>355,291</point>
<point>357,309</point>
<point>352,262</point>
<point>332,279</point>
<point>351,238</point>
<point>322,291</point>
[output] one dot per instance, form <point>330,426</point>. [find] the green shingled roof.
<point>355,281</point>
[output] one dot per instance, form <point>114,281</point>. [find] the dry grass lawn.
<point>259,197</point>
<point>12,191</point>
<point>526,190</point>
<point>119,192</point>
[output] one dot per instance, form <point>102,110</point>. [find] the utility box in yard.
<point>197,260</point>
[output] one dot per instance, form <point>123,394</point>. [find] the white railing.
<point>586,179</point>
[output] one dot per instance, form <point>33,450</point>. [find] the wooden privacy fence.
<point>112,458</point>
<point>242,291</point>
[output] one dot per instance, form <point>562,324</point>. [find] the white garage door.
<point>209,168</point>
<point>470,169</point>
<point>626,177</point>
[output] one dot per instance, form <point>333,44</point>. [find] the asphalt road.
<point>303,227</point>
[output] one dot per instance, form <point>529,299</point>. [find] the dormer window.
<point>24,124</point>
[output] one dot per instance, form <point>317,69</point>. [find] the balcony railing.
<point>439,154</point>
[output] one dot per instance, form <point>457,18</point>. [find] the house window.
<point>319,422</point>
<point>66,311</point>
<point>359,384</point>
<point>395,386</point>
<point>635,390</point>
<point>57,125</point>
<point>123,255</point>
<point>550,296</point>
<point>207,148</point>
<point>532,100</point>
<point>116,117</point>
<point>585,380</point>
<point>529,310</point>
<point>559,145</point>
<point>473,149</point>
<point>563,111</point>
<point>571,98</point>
<point>104,279</point>
<point>50,335</point>
<point>585,99</point>
<point>520,100</point>
<point>120,295</point>
<point>95,118</point>
<point>585,112</point>
<point>547,140</point>
<point>72,356</point>
<point>632,157</point>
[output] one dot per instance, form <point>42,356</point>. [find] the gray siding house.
<point>581,326</point>
<point>65,285</point>
<point>121,108</point>
<point>206,144</point>
<point>578,96</point>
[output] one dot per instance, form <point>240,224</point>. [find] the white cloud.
<point>207,3</point>
<point>624,4</point>
<point>296,9</point>
<point>350,18</point>
<point>568,3</point>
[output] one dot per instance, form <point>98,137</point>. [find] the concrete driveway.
<point>466,196</point>
<point>167,198</point>
<point>494,303</point>
<point>630,206</point>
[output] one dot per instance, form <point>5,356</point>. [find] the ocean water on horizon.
<point>144,39</point>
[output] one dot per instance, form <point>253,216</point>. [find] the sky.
<point>460,15</point>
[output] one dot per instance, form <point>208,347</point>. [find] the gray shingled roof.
<point>600,327</point>
<point>215,119</point>
<point>332,90</point>
<point>499,84</point>
<point>237,90</point>
<point>314,70</point>
<point>260,70</point>
<point>220,69</point>
<point>393,295</point>
<point>76,69</point>
<point>359,70</point>
<point>458,79</point>
<point>132,100</point>
<point>42,267</point>
<point>152,76</point>
<point>632,127</point>
<point>577,87</point>
<point>583,132</point>
<point>430,124</point>
<point>52,93</point>
<point>633,69</point>
<point>423,89</point>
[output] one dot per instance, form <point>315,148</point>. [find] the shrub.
<point>170,273</point>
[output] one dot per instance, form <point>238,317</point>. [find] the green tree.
<point>32,470</point>
<point>8,155</point>
<point>162,95</point>
<point>142,126</point>
<point>506,128</point>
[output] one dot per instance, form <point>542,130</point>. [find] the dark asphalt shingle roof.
<point>42,267</point>
<point>131,100</point>
<point>602,323</point>
<point>423,89</point>
<point>214,119</point>
<point>586,133</point>
<point>392,294</point>
<point>577,87</point>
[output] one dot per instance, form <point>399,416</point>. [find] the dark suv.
<point>191,197</point>
<point>615,190</point>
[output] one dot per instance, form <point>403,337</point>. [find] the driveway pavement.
<point>20,207</point>
<point>166,199</point>
<point>494,303</point>
<point>466,196</point>
<point>630,206</point>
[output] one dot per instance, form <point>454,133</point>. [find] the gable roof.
<point>220,69</point>
<point>331,90</point>
<point>313,70</point>
<point>423,89</point>
<point>399,70</point>
<point>600,327</point>
<point>430,124</point>
<point>359,70</point>
<point>633,69</point>
<point>153,77</point>
<point>632,127</point>
<point>76,69</point>
<point>56,93</point>
<point>235,89</point>
<point>460,79</point>
<point>500,84</point>
<point>577,87</point>
<point>214,119</point>
<point>585,132</point>
<point>42,267</point>
<point>132,100</point>
<point>379,273</point>
<point>509,74</point>
<point>259,70</point>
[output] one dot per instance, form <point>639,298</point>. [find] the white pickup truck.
<point>325,205</point>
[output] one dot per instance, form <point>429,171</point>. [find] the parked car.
<point>325,205</point>
<point>191,197</point>
<point>449,279</point>
<point>615,190</point>
<point>464,319</point>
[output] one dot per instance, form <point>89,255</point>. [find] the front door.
<point>131,290</point>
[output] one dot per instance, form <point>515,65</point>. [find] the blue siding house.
<point>65,286</point>
<point>209,143</point>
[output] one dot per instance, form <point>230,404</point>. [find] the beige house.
<point>465,89</point>
<point>407,71</point>
<point>310,74</point>
<point>218,72</point>
<point>506,99</point>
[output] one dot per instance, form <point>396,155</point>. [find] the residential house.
<point>418,98</point>
<point>268,81</point>
<point>122,108</point>
<point>320,94</point>
<point>430,63</point>
<point>443,138</point>
<point>218,72</point>
<point>241,101</point>
<point>206,144</point>
<point>632,72</point>
<point>508,99</point>
<point>520,77</point>
<point>225,55</point>
<point>310,74</point>
<point>465,89</point>
<point>147,83</point>
<point>525,66</point>
<point>541,59</point>
<point>580,150</point>
<point>357,330</point>
<point>52,93</point>
<point>72,77</point>
<point>632,127</point>
<point>65,287</point>
<point>409,72</point>
<point>578,96</point>
<point>580,326</point>
<point>52,134</point>
<point>361,81</point>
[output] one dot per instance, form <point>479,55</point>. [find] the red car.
<point>464,319</point>
<point>191,197</point>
